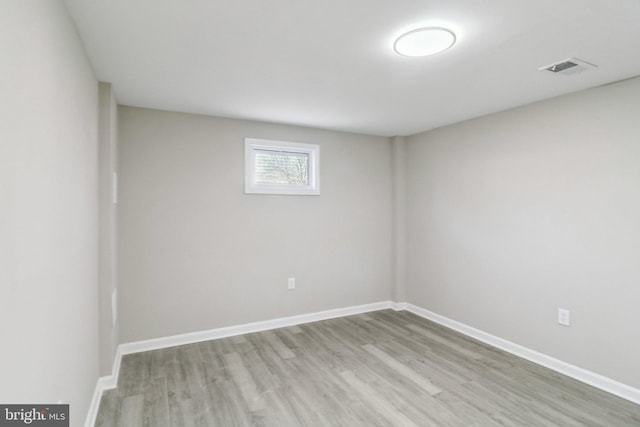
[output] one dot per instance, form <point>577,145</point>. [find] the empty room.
<point>338,213</point>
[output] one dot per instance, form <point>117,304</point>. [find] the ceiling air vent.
<point>568,66</point>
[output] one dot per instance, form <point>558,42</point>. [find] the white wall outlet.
<point>564,316</point>
<point>291,283</point>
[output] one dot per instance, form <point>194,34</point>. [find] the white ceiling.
<point>330,63</point>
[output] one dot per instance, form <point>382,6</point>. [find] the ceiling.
<point>330,63</point>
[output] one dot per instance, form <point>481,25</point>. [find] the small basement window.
<point>278,167</point>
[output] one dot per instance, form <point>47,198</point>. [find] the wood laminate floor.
<point>384,368</point>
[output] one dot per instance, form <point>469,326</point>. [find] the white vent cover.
<point>568,66</point>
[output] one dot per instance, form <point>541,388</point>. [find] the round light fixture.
<point>424,41</point>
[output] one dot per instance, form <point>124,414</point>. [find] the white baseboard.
<point>596,380</point>
<point>399,306</point>
<point>212,334</point>
<point>90,421</point>
<point>599,381</point>
<point>107,382</point>
<point>111,381</point>
<point>104,383</point>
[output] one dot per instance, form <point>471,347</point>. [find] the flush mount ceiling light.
<point>424,41</point>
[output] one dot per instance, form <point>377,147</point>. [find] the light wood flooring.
<point>384,368</point>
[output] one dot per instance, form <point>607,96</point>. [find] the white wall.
<point>108,224</point>
<point>509,217</point>
<point>399,218</point>
<point>516,214</point>
<point>197,253</point>
<point>48,209</point>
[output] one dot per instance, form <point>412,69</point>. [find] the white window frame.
<point>251,145</point>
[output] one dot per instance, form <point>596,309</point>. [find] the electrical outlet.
<point>564,317</point>
<point>291,283</point>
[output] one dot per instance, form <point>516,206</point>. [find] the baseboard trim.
<point>212,334</point>
<point>111,381</point>
<point>596,380</point>
<point>107,382</point>
<point>399,306</point>
<point>104,383</point>
<point>92,413</point>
